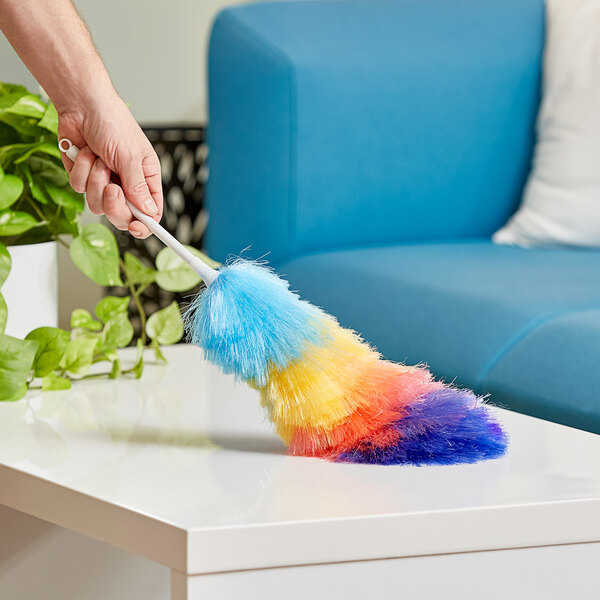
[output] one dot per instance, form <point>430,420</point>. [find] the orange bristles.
<point>386,388</point>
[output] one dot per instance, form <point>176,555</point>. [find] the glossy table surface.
<point>182,467</point>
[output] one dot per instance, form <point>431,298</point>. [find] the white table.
<point>181,467</point>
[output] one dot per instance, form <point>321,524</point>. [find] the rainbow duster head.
<point>328,392</point>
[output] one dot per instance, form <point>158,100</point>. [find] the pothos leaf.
<point>138,368</point>
<point>23,124</point>
<point>117,332</point>
<point>16,358</point>
<point>65,197</point>
<point>96,253</point>
<point>48,168</point>
<point>54,382</point>
<point>14,222</point>
<point>66,222</point>
<point>42,148</point>
<point>50,119</point>
<point>11,187</point>
<point>5,262</point>
<point>8,135</point>
<point>78,356</point>
<point>25,105</point>
<point>83,319</point>
<point>12,88</point>
<point>166,326</point>
<point>160,357</point>
<point>52,343</point>
<point>110,306</point>
<point>115,371</point>
<point>174,274</point>
<point>137,272</point>
<point>3,313</point>
<point>36,190</point>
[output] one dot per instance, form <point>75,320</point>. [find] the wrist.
<point>84,94</point>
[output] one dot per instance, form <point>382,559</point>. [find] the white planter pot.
<point>31,290</point>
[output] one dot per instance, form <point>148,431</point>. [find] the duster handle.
<point>207,273</point>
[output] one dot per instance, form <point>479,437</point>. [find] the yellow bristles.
<point>318,389</point>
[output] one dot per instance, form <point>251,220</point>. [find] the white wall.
<point>155,52</point>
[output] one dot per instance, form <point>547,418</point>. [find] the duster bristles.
<point>328,392</point>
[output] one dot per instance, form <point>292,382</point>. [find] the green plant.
<point>38,205</point>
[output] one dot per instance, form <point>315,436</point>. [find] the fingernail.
<point>150,208</point>
<point>136,233</point>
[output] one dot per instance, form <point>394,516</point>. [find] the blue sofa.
<point>369,149</point>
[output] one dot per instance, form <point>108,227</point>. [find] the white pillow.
<point>561,202</point>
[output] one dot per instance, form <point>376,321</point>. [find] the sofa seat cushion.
<point>552,372</point>
<point>459,307</point>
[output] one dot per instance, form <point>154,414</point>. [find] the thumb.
<point>136,188</point>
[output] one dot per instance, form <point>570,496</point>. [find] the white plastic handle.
<point>207,273</point>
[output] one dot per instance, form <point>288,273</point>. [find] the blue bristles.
<point>448,426</point>
<point>248,318</point>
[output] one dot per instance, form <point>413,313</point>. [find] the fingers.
<point>139,230</point>
<point>67,162</point>
<point>104,197</point>
<point>115,208</point>
<point>136,187</point>
<point>118,214</point>
<point>98,179</point>
<point>152,173</point>
<point>80,171</point>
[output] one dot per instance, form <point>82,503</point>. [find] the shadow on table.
<point>249,443</point>
<point>189,438</point>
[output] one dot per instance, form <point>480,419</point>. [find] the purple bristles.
<point>448,426</point>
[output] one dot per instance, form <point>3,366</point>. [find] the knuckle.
<point>99,171</point>
<point>118,224</point>
<point>94,189</point>
<point>116,219</point>
<point>151,164</point>
<point>139,188</point>
<point>111,191</point>
<point>76,183</point>
<point>129,155</point>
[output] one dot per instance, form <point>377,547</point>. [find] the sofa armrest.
<point>341,124</point>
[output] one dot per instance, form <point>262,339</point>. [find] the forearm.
<point>54,43</point>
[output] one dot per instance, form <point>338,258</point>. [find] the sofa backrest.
<point>347,123</point>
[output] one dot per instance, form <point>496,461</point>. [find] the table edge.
<point>269,545</point>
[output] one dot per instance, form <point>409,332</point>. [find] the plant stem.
<point>62,242</point>
<point>55,236</point>
<point>136,298</point>
<point>40,214</point>
<point>44,221</point>
<point>138,302</point>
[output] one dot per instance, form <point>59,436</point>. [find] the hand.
<point>110,140</point>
